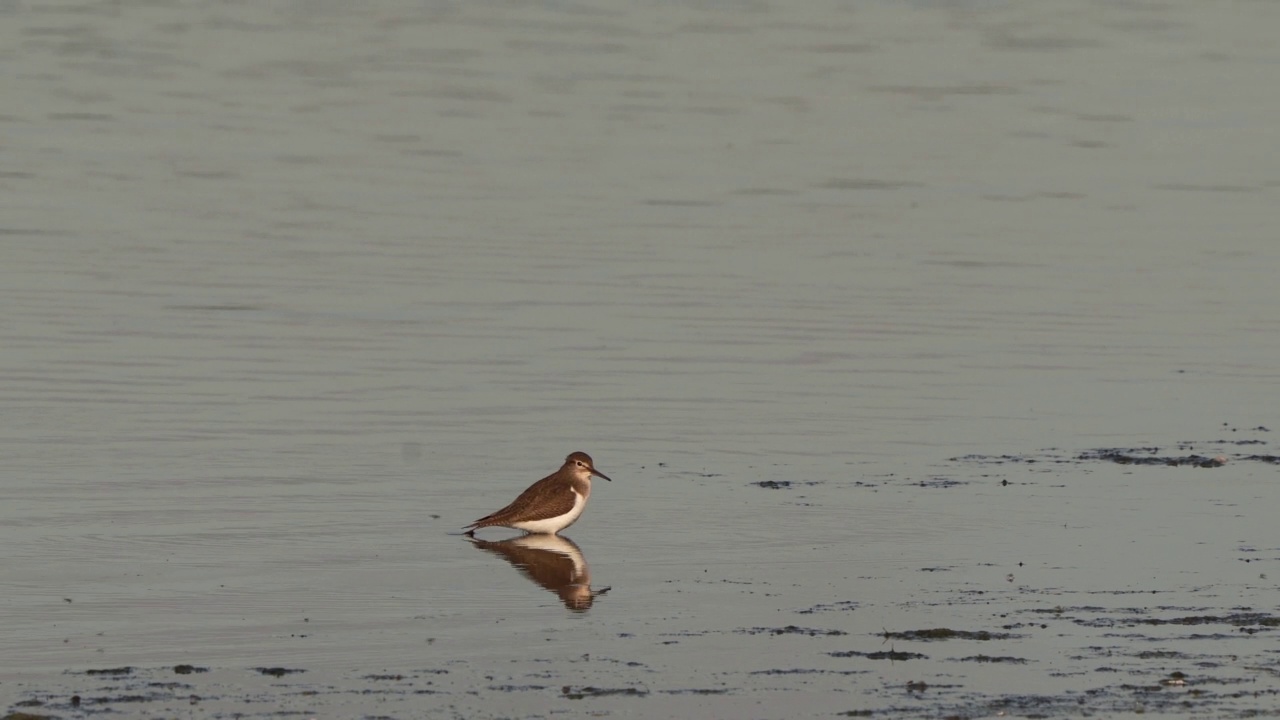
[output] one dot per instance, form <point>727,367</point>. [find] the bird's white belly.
<point>558,523</point>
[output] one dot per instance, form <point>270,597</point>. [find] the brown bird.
<point>551,504</point>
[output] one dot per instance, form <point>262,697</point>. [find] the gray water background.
<point>294,290</point>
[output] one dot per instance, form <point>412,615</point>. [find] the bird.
<point>550,505</point>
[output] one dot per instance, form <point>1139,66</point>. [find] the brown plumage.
<point>551,504</point>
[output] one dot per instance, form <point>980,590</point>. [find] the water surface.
<point>292,292</point>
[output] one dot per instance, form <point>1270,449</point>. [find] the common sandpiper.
<point>551,504</point>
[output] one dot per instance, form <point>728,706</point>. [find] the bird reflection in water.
<point>554,562</point>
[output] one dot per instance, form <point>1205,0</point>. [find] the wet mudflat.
<point>1211,665</point>
<point>1023,619</point>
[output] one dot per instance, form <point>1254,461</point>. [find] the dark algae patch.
<point>941,482</point>
<point>1148,456</point>
<point>1206,454</point>
<point>842,606</point>
<point>1248,622</point>
<point>592,692</point>
<point>990,659</point>
<point>111,671</point>
<point>791,630</point>
<point>945,634</point>
<point>782,484</point>
<point>277,671</point>
<point>1119,456</point>
<point>879,655</point>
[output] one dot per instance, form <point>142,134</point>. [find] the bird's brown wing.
<point>543,499</point>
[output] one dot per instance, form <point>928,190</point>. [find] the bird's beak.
<point>597,472</point>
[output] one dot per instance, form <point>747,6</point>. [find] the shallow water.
<point>293,293</point>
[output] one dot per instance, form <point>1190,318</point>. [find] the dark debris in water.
<point>880,655</point>
<point>946,634</point>
<point>841,606</point>
<point>1160,655</point>
<point>989,659</point>
<point>1249,622</point>
<point>807,671</point>
<point>1159,699</point>
<point>1206,454</point>
<point>941,482</point>
<point>1273,459</point>
<point>791,630</point>
<point>586,692</point>
<point>278,671</point>
<point>1148,456</point>
<point>784,484</point>
<point>515,688</point>
<point>127,698</point>
<point>979,459</point>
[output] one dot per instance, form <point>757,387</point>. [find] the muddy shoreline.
<point>1189,649</point>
